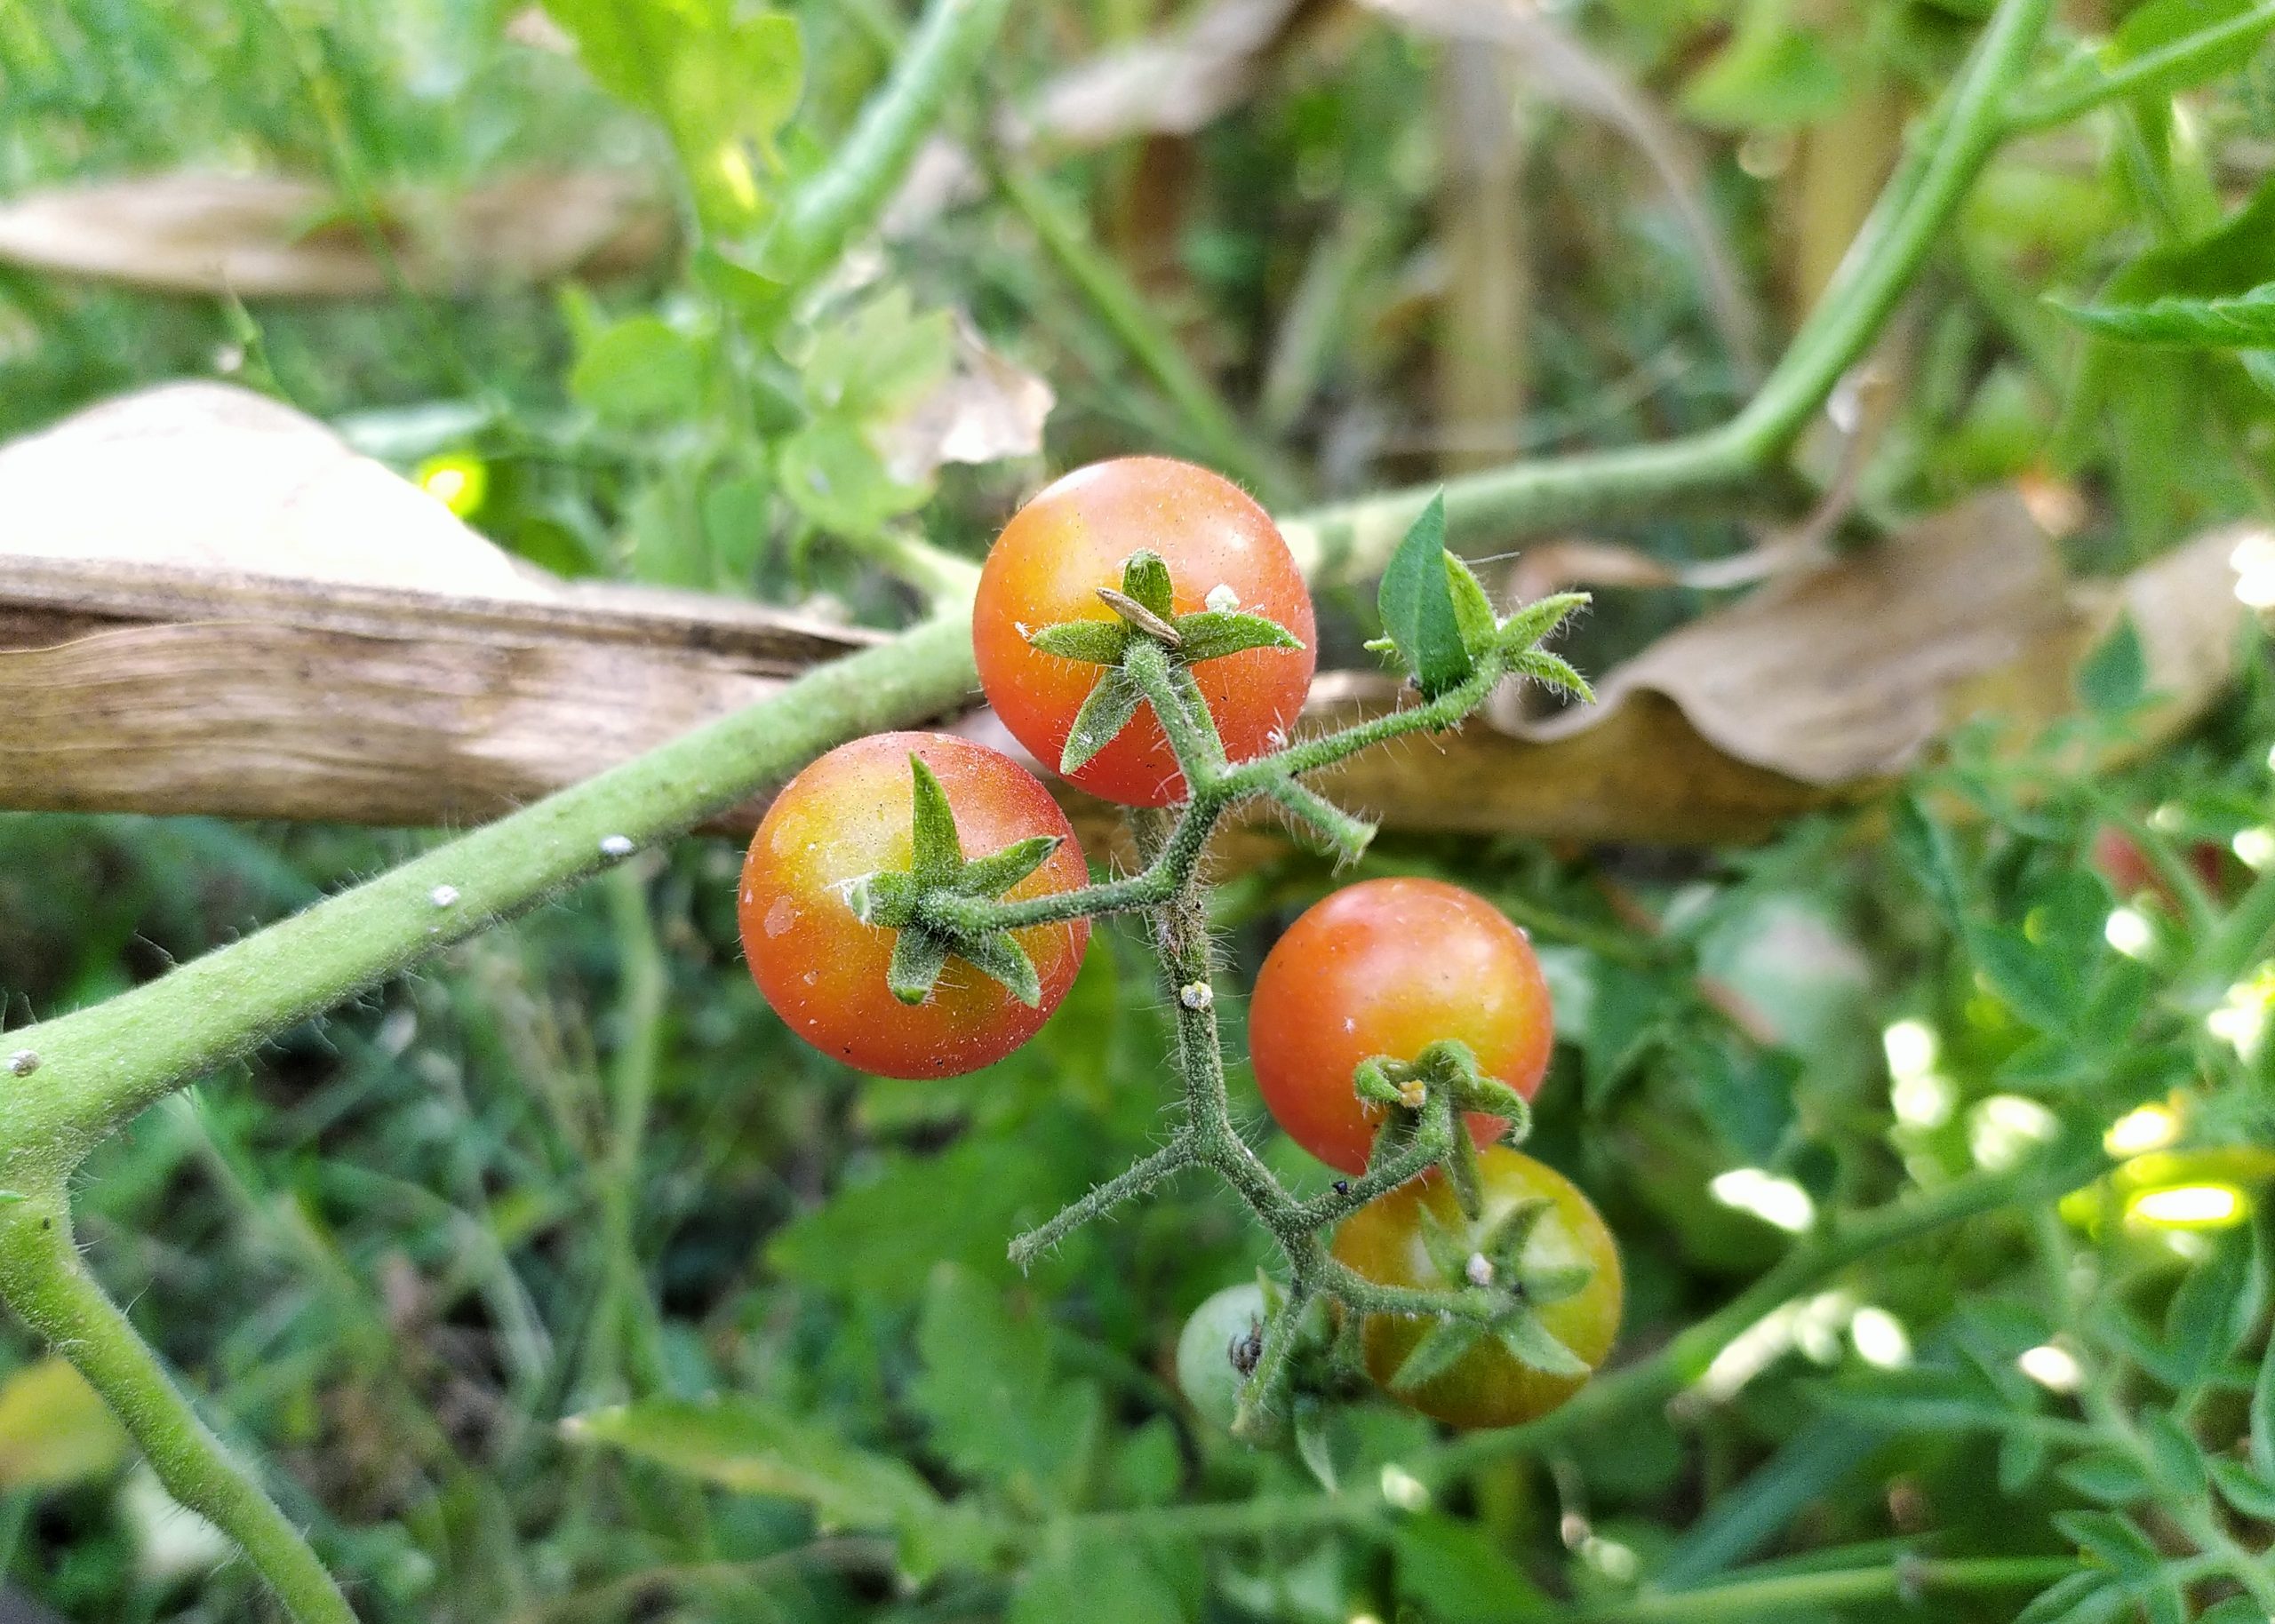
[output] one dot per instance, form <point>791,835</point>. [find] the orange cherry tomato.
<point>1388,967</point>
<point>823,970</point>
<point>1056,551</point>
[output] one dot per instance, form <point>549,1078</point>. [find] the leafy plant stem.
<point>1351,539</point>
<point>2058,105</point>
<point>46,1283</point>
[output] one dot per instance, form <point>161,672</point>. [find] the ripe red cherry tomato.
<point>1072,539</point>
<point>1386,967</point>
<point>848,815</point>
<point>1487,1387</point>
<point>2130,873</point>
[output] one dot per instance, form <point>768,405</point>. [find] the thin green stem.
<point>1352,539</point>
<point>1134,1181</point>
<point>45,1282</point>
<point>946,52</point>
<point>2168,64</point>
<point>1906,1579</point>
<point>627,1328</point>
<point>100,1065</point>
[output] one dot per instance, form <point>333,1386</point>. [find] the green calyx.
<point>905,902</point>
<point>1144,612</point>
<point>1499,1297</point>
<point>1442,628</point>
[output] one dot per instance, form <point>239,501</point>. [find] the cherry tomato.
<point>1056,551</point>
<point>1487,1387</point>
<point>1386,967</point>
<point>848,815</point>
<point>1216,1349</point>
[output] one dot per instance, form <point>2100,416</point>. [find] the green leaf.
<point>1554,671</point>
<point>639,370</point>
<point>2109,1478</point>
<point>1544,1286</point>
<point>2208,1315</point>
<point>935,854</point>
<point>918,957</point>
<point>998,1407</point>
<point>752,1447</point>
<point>1534,622</point>
<point>1146,578</point>
<point>879,360</point>
<point>2082,1598</point>
<point>1773,75</point>
<point>2114,678</point>
<point>1449,1253</point>
<point>1473,615</point>
<point>1450,1569</point>
<point>2244,1489</point>
<point>2029,980</point>
<point>1442,1347</point>
<point>2242,320</point>
<point>996,873</point>
<point>833,475</point>
<point>2022,1456</point>
<point>1098,1581</point>
<point>998,956</point>
<point>2110,1539</point>
<point>1417,606</point>
<point>2235,1610</point>
<point>1505,1242</point>
<point>1314,1440</point>
<point>1108,711</point>
<point>1530,1344</point>
<point>1094,642</point>
<point>2162,24</point>
<point>1928,855</point>
<point>54,1431</point>
<point>1211,635</point>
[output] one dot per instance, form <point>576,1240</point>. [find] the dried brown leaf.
<point>986,409</point>
<point>268,236</point>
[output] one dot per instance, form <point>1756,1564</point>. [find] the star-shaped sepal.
<point>1143,609</point>
<point>1500,1295</point>
<point>897,901</point>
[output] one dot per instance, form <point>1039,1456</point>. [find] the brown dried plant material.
<point>327,643</point>
<point>268,236</point>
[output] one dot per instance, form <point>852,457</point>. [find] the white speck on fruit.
<point>23,1063</point>
<point>443,896</point>
<point>781,916</point>
<point>1479,1269</point>
<point>616,846</point>
<point>1223,599</point>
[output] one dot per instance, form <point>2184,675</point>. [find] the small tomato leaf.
<point>2246,1490</point>
<point>991,876</point>
<point>1552,670</point>
<point>2246,320</point>
<point>1146,579</point>
<point>1530,1344</point>
<point>1441,1349</point>
<point>1094,642</point>
<point>1473,615</point>
<point>1417,606</point>
<point>1506,1241</point>
<point>1544,1286</point>
<point>1104,715</point>
<point>936,853</point>
<point>2109,1478</point>
<point>1211,634</point>
<point>1534,622</point>
<point>2110,1539</point>
<point>998,955</point>
<point>918,956</point>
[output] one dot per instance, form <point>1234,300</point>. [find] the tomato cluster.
<point>1378,972</point>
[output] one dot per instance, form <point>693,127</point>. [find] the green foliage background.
<point>557,1282</point>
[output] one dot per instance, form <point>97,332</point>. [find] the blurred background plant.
<point>558,1283</point>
